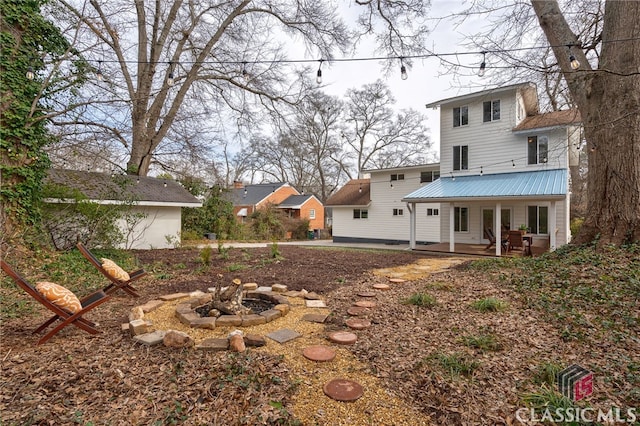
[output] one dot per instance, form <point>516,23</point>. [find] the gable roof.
<point>255,193</point>
<point>528,90</point>
<point>542,184</point>
<point>295,201</point>
<point>356,192</point>
<point>105,188</point>
<point>549,120</point>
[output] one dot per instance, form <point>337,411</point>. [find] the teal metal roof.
<point>543,184</point>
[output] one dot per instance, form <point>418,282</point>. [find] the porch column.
<point>498,228</point>
<point>412,225</point>
<point>452,213</point>
<point>553,227</point>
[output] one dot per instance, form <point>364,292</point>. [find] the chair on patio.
<point>62,302</point>
<point>120,279</point>
<point>517,242</point>
<point>489,235</point>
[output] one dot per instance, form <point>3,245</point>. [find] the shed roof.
<point>356,192</point>
<point>550,120</point>
<point>543,184</point>
<point>105,188</point>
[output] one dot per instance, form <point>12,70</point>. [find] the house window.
<point>429,176</point>
<point>398,212</point>
<point>460,116</point>
<point>399,176</point>
<point>461,219</point>
<point>360,213</point>
<point>537,149</point>
<point>312,213</point>
<point>538,219</point>
<point>461,157</point>
<point>490,111</point>
<point>433,212</point>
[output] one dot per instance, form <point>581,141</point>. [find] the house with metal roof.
<point>154,212</point>
<point>503,166</point>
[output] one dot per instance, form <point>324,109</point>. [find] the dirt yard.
<point>414,351</point>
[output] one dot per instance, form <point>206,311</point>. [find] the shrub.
<point>267,223</point>
<point>489,304</point>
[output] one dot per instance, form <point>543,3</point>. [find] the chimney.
<point>237,184</point>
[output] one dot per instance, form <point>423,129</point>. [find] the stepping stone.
<point>357,310</point>
<point>367,294</point>
<point>284,335</point>
<point>381,286</point>
<point>319,318</point>
<point>264,289</point>
<point>365,304</point>
<point>319,353</point>
<point>174,296</point>
<point>254,340</point>
<point>213,345</point>
<point>343,337</point>
<point>151,339</point>
<point>312,296</point>
<point>315,304</point>
<point>358,323</point>
<point>343,390</point>
<point>397,280</point>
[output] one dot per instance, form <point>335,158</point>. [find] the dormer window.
<point>490,111</point>
<point>460,116</point>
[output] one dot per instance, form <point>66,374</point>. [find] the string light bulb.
<point>360,189</point>
<point>513,164</point>
<point>164,184</point>
<point>481,171</point>
<point>245,74</point>
<point>99,75</point>
<point>403,71</point>
<point>170,78</point>
<point>575,64</point>
<point>30,73</point>
<point>483,65</point>
<point>453,178</point>
<point>319,73</point>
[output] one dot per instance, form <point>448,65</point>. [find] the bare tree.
<point>379,137</point>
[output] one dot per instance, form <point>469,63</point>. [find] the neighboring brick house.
<point>249,198</point>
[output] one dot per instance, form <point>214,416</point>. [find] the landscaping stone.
<point>293,294</point>
<point>228,320</point>
<point>381,286</point>
<point>138,327</point>
<point>264,289</point>
<point>312,296</point>
<point>177,339</point>
<point>204,322</point>
<point>358,323</point>
<point>151,305</point>
<point>283,307</point>
<point>174,296</point>
<point>319,318</point>
<point>365,304</point>
<point>213,345</point>
<point>397,280</point>
<point>343,390</point>
<point>343,337</point>
<point>236,343</point>
<point>315,304</point>
<point>357,310</point>
<point>367,294</point>
<point>200,300</point>
<point>187,318</point>
<point>279,288</point>
<point>253,319</point>
<point>136,313</point>
<point>150,339</point>
<point>254,340</point>
<point>319,353</point>
<point>183,308</point>
<point>249,286</point>
<point>284,335</point>
<point>271,314</point>
<point>124,327</point>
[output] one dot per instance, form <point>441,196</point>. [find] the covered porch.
<point>476,249</point>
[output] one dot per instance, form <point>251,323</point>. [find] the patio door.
<point>489,222</point>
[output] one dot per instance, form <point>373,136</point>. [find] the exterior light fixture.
<point>483,65</point>
<point>319,73</point>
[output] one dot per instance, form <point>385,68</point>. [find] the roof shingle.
<point>356,192</point>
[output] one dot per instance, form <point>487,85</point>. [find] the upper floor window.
<point>429,176</point>
<point>398,212</point>
<point>461,157</point>
<point>461,219</point>
<point>491,111</point>
<point>538,219</point>
<point>360,213</point>
<point>537,149</point>
<point>460,116</point>
<point>312,213</point>
<point>399,176</point>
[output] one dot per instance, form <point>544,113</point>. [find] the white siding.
<point>155,227</point>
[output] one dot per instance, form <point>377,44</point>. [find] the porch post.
<point>552,226</point>
<point>412,225</point>
<point>452,243</point>
<point>498,228</point>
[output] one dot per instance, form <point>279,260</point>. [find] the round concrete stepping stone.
<point>365,304</point>
<point>381,286</point>
<point>343,390</point>
<point>319,353</point>
<point>357,310</point>
<point>343,337</point>
<point>397,280</point>
<point>358,323</point>
<point>367,294</point>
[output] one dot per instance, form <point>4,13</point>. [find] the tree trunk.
<point>609,101</point>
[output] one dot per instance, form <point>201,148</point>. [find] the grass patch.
<point>421,299</point>
<point>441,285</point>
<point>455,364</point>
<point>547,400</point>
<point>489,304</point>
<point>484,342</point>
<point>546,373</point>
<point>236,267</point>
